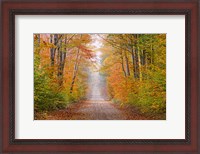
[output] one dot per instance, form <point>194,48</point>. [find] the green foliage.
<point>147,90</point>
<point>49,93</point>
<point>149,98</point>
<point>46,97</point>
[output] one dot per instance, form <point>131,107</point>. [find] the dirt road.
<point>96,106</point>
<point>100,110</point>
<point>88,110</point>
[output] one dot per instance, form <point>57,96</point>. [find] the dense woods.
<point>133,65</point>
<point>60,69</point>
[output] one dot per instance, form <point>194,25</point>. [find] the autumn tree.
<point>57,69</point>
<point>136,70</point>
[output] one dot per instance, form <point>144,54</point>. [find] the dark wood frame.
<point>189,8</point>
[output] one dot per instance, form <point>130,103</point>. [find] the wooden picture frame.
<point>11,8</point>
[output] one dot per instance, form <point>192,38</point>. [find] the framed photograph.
<point>119,76</point>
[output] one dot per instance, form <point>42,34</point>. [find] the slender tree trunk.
<point>139,65</point>
<point>134,54</point>
<point>134,63</point>
<point>122,62</point>
<point>53,50</point>
<point>143,57</point>
<point>146,60</point>
<point>38,51</point>
<point>152,52</point>
<point>61,62</point>
<point>78,58</point>
<point>56,42</point>
<point>38,35</point>
<point>127,65</point>
<point>144,64</point>
<point>138,58</point>
<point>75,70</point>
<point>51,55</point>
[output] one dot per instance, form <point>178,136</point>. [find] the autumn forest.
<point>99,76</point>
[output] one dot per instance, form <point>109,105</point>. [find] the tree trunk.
<point>134,63</point>
<point>78,58</point>
<point>138,57</point>
<point>143,57</point>
<point>75,70</point>
<point>122,59</point>
<point>139,65</point>
<point>134,54</point>
<point>152,52</point>
<point>53,50</point>
<point>127,65</point>
<point>61,62</point>
<point>38,35</point>
<point>146,61</point>
<point>38,51</point>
